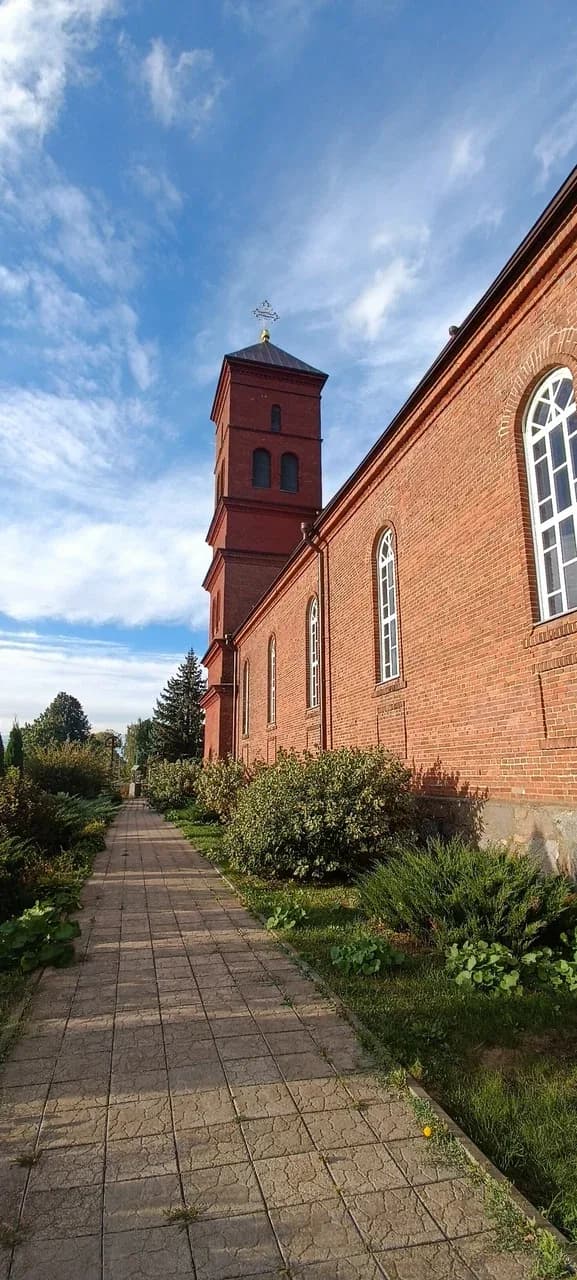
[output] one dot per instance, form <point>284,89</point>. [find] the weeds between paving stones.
<point>182,1218</point>
<point>9,1236</point>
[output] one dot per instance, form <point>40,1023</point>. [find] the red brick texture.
<point>487,695</point>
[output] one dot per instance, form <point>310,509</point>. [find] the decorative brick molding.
<point>556,348</point>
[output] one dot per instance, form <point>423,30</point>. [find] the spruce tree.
<point>14,757</point>
<point>1,757</point>
<point>63,721</point>
<point>177,728</point>
<point>138,743</point>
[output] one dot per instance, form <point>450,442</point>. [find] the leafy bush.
<point>170,784</point>
<point>453,892</point>
<point>30,813</point>
<point>311,817</point>
<point>286,917</point>
<point>486,965</point>
<point>366,956</point>
<point>19,864</point>
<point>73,767</point>
<point>220,783</point>
<point>39,936</point>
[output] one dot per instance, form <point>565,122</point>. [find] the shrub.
<point>453,892</point>
<point>220,783</point>
<point>30,813</point>
<point>311,817</point>
<point>73,767</point>
<point>171,784</point>
<point>20,861</point>
<point>366,956</point>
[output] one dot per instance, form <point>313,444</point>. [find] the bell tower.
<point>267,415</point>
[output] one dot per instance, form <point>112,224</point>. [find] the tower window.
<point>313,655</point>
<point>289,473</point>
<point>246,698</point>
<point>271,682</point>
<point>261,469</point>
<point>551,452</point>
<point>275,417</point>
<point>387,602</point>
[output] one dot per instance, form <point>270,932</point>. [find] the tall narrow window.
<point>271,682</point>
<point>246,698</point>
<point>313,653</point>
<point>261,469</point>
<point>275,417</point>
<point>387,603</point>
<point>551,453</point>
<point>289,472</point>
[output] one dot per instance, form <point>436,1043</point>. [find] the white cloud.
<point>466,154</point>
<point>558,142</point>
<point>156,185</point>
<point>115,684</point>
<point>42,43</point>
<point>183,88</point>
<point>368,311</point>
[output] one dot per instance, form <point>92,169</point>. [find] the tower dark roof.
<point>265,352</point>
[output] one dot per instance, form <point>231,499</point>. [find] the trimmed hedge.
<point>73,767</point>
<point>317,816</point>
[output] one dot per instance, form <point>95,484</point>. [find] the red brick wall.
<point>487,696</point>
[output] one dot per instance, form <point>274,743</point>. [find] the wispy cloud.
<point>557,143</point>
<point>114,683</point>
<point>41,50</point>
<point>156,185</point>
<point>183,87</point>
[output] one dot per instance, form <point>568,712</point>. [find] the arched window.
<point>261,469</point>
<point>289,472</point>
<point>551,453</point>
<point>387,603</point>
<point>313,654</point>
<point>271,681</point>
<point>275,417</point>
<point>246,698</point>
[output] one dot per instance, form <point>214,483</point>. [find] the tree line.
<point>174,731</point>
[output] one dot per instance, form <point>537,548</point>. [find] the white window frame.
<point>271,681</point>
<point>547,515</point>
<point>246,698</point>
<point>387,608</point>
<point>313,654</point>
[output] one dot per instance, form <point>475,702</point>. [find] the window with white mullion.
<point>313,685</point>
<point>387,602</point>
<point>272,680</point>
<point>551,451</point>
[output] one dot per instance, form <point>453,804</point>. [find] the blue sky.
<point>366,165</point>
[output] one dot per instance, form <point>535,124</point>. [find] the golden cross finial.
<point>268,313</point>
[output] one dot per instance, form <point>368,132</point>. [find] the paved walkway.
<point>188,1061</point>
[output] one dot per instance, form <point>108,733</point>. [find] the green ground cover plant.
<point>504,1068</point>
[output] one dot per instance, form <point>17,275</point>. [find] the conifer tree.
<point>63,720</point>
<point>14,757</point>
<point>177,729</point>
<point>1,757</point>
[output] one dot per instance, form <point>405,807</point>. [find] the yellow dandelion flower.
<point>427,1131</point>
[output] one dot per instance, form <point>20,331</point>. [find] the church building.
<point>431,605</point>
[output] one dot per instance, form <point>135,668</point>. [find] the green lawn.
<point>504,1068</point>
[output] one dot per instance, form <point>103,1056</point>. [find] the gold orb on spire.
<point>265,335</point>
